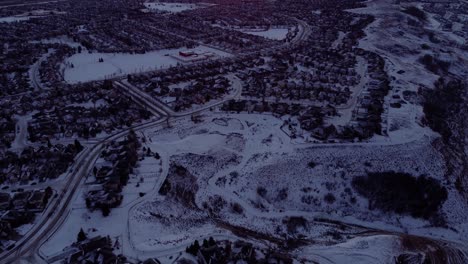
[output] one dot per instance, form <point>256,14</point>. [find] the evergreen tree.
<point>105,210</point>
<point>211,242</point>
<point>88,203</point>
<point>81,236</point>
<point>157,156</point>
<point>78,145</point>
<point>205,243</point>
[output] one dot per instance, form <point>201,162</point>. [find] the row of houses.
<point>19,208</point>
<point>34,200</point>
<point>211,251</point>
<point>84,111</point>
<point>36,163</point>
<point>7,128</point>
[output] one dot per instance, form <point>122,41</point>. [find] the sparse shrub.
<point>282,194</point>
<point>425,46</point>
<point>335,235</point>
<point>433,64</point>
<point>261,191</point>
<point>329,198</point>
<point>331,186</point>
<point>217,204</point>
<point>307,199</point>
<point>237,208</point>
<point>312,164</point>
<point>348,191</point>
<point>293,223</point>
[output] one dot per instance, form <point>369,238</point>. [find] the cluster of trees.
<point>48,194</point>
<point>212,252</point>
<point>52,162</point>
<point>131,156</point>
<point>446,112</point>
<point>402,193</point>
<point>441,103</point>
<point>195,247</point>
<point>434,65</point>
<point>118,176</point>
<point>416,12</point>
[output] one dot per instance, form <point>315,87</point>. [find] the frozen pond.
<point>86,66</point>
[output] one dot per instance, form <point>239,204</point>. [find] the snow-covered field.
<point>229,156</point>
<point>86,66</point>
<point>272,33</point>
<point>170,7</point>
<point>233,156</point>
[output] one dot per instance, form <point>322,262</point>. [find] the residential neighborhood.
<point>233,131</point>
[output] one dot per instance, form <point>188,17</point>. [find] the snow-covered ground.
<point>29,15</point>
<point>86,66</point>
<point>12,19</point>
<point>230,156</point>
<point>65,40</point>
<point>233,156</point>
<point>361,250</point>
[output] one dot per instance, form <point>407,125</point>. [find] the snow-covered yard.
<point>233,156</point>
